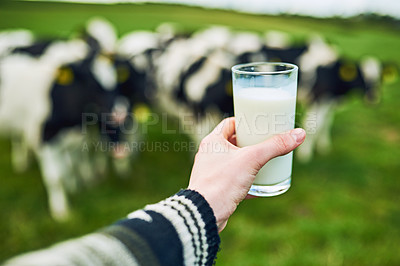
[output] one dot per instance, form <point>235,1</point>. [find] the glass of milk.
<point>264,96</point>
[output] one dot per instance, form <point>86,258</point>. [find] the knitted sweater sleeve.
<point>180,230</point>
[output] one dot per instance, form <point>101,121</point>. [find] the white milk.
<point>261,113</point>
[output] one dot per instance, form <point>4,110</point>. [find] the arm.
<point>180,230</point>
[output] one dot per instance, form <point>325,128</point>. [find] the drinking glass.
<point>264,96</point>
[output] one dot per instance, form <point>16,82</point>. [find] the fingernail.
<point>298,134</point>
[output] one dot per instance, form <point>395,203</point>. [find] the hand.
<point>223,173</point>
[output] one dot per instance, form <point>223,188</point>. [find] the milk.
<point>261,113</point>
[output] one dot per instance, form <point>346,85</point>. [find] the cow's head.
<point>364,76</point>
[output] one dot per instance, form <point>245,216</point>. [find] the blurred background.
<point>67,170</point>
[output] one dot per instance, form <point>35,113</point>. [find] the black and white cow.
<point>25,84</point>
<point>79,99</point>
<point>332,83</point>
<point>49,97</point>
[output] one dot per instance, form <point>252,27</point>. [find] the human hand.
<point>223,173</point>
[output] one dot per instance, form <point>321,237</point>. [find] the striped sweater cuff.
<point>180,230</point>
<point>207,215</point>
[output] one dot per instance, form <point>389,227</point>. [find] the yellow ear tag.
<point>141,112</point>
<point>228,88</point>
<point>122,74</point>
<point>348,72</point>
<point>390,74</point>
<point>64,76</point>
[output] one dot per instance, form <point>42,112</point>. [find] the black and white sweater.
<point>180,230</point>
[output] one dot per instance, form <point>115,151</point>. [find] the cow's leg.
<point>304,153</point>
<point>99,159</point>
<point>51,163</point>
<point>71,172</point>
<point>324,141</point>
<point>125,151</point>
<point>81,160</point>
<point>19,154</point>
<point>79,170</point>
<point>121,160</point>
<point>24,142</point>
<point>314,123</point>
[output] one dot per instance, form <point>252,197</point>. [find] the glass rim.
<point>236,68</point>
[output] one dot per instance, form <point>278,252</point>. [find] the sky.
<point>317,8</point>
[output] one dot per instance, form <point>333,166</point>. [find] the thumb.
<point>277,145</point>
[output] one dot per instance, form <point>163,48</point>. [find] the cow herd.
<point>55,95</point>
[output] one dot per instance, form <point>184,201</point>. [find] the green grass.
<point>342,209</point>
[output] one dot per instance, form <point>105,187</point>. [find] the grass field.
<point>343,207</point>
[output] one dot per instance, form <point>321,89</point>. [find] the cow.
<point>79,100</point>
<point>332,83</point>
<point>25,87</point>
<point>54,97</point>
<point>19,72</point>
